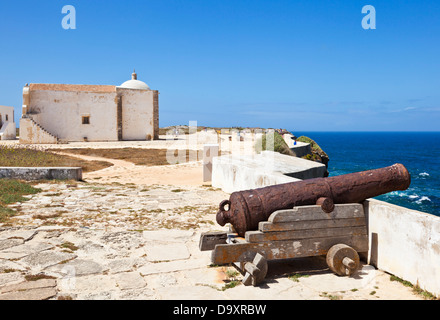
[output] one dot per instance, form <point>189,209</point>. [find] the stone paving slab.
<point>9,243</point>
<point>172,266</point>
<point>41,260</point>
<point>35,294</point>
<point>31,290</point>
<point>7,266</point>
<point>29,285</point>
<point>78,268</point>
<point>178,236</point>
<point>130,280</point>
<point>25,234</point>
<point>24,250</point>
<point>189,293</point>
<point>166,252</point>
<point>10,278</point>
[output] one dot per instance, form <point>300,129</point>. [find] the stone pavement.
<point>90,241</point>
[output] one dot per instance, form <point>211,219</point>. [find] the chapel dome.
<point>134,83</point>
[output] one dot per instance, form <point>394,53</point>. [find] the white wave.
<point>413,196</point>
<point>424,174</point>
<point>423,199</point>
<point>398,193</point>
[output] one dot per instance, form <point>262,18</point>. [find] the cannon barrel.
<point>247,208</point>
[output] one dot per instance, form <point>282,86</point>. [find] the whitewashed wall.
<point>405,243</point>
<point>7,125</point>
<point>137,114</point>
<point>60,113</point>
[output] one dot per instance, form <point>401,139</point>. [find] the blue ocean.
<point>419,152</point>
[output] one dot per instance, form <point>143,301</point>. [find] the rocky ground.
<point>84,241</point>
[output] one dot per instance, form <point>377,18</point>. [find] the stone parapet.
<point>30,174</point>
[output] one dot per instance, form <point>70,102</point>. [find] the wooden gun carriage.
<point>322,216</point>
<point>299,232</point>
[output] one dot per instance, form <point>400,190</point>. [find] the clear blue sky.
<point>300,65</point>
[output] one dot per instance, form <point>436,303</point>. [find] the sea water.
<point>419,152</point>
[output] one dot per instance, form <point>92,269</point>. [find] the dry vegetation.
<point>19,156</point>
<point>140,157</point>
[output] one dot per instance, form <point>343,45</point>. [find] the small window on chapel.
<point>7,118</point>
<point>86,120</point>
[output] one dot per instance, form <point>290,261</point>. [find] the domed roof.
<point>134,83</point>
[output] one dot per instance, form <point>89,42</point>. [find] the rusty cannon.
<point>246,209</point>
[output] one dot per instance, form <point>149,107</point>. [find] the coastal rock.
<point>317,154</point>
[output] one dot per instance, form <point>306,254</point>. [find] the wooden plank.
<point>209,240</point>
<point>229,253</point>
<point>266,226</point>
<point>342,211</point>
<point>258,236</point>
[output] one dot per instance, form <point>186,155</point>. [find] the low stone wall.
<point>237,173</point>
<point>29,174</point>
<point>405,243</point>
<point>301,149</point>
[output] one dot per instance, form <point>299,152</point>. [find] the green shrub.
<point>12,191</point>
<point>315,147</point>
<point>279,144</point>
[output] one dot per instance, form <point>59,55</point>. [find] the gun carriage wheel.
<point>254,270</point>
<point>343,260</point>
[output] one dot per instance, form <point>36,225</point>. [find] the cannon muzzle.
<point>245,209</point>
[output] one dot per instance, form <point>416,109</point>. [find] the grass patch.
<point>416,289</point>
<point>48,216</point>
<point>295,277</point>
<point>69,245</point>
<point>330,296</point>
<point>10,270</point>
<point>56,194</point>
<point>37,277</point>
<point>19,156</point>
<point>12,191</point>
<point>232,280</point>
<point>138,156</point>
<point>231,285</point>
<point>6,214</point>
